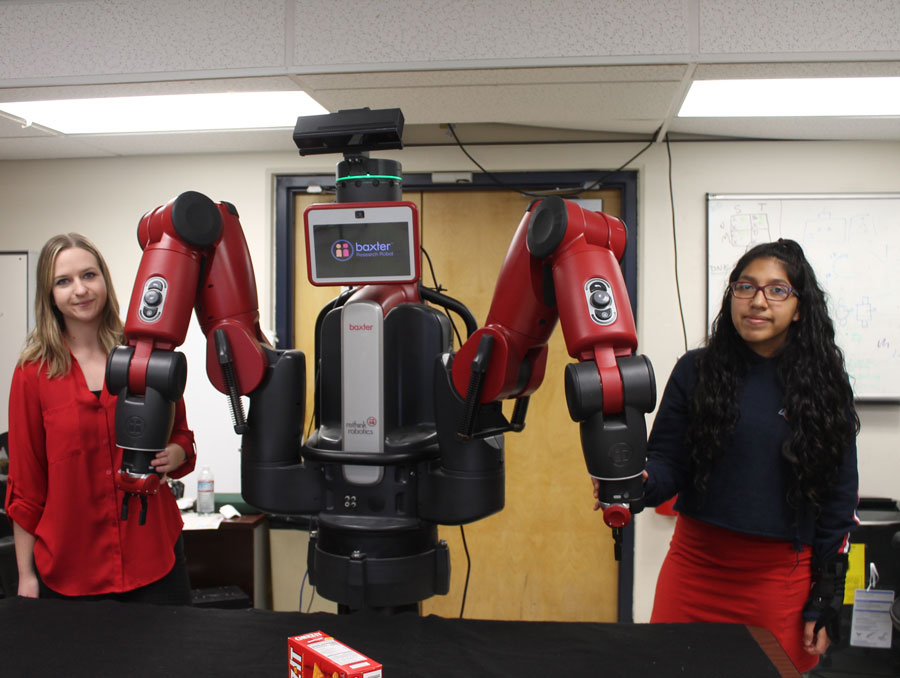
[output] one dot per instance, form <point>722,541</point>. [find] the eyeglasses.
<point>743,289</point>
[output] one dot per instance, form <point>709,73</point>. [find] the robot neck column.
<point>364,179</point>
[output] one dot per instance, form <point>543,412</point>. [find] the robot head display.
<point>352,244</point>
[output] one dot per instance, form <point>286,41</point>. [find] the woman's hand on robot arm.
<point>596,484</point>
<point>169,459</point>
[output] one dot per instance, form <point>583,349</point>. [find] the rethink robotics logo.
<point>361,428</point>
<point>345,250</point>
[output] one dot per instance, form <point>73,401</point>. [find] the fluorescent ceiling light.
<point>168,113</point>
<point>807,97</point>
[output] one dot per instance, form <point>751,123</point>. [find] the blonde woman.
<point>61,496</point>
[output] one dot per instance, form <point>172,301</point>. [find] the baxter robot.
<point>408,435</point>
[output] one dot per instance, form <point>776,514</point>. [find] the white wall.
<point>105,198</point>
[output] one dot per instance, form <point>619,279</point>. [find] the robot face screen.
<point>359,244</point>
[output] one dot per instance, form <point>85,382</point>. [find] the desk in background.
<point>235,554</point>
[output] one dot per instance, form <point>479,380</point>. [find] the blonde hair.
<point>45,345</point>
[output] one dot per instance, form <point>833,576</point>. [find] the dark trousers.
<point>173,589</point>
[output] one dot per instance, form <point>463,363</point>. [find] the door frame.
<point>287,186</point>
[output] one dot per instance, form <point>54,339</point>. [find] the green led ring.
<point>371,176</point>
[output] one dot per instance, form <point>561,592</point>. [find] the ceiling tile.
<point>414,32</point>
<point>776,26</point>
<point>98,37</point>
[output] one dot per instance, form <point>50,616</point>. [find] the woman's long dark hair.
<point>818,399</point>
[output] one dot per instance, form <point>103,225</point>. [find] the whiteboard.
<point>853,244</point>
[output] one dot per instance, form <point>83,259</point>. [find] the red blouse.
<point>61,488</point>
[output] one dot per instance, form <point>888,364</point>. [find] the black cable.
<point>315,408</point>
<point>486,173</point>
<point>311,599</point>
<point>606,142</point>
<point>675,246</point>
<point>302,584</point>
<point>565,193</point>
<point>625,164</point>
<point>462,607</point>
<point>437,286</point>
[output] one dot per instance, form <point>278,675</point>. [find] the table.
<point>80,639</point>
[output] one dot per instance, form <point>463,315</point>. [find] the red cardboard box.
<point>318,655</point>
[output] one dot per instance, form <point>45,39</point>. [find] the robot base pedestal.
<point>377,562</point>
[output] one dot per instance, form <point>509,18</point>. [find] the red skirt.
<point>720,576</point>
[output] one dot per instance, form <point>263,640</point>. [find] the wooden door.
<point>547,555</point>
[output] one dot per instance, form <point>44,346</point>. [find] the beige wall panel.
<point>288,561</point>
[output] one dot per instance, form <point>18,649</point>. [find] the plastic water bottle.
<point>206,489</point>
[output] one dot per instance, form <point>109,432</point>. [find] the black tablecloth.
<point>102,639</point>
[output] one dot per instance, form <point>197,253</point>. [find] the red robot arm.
<point>563,265</point>
<point>195,254</point>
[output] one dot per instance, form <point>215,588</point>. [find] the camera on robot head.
<point>354,133</point>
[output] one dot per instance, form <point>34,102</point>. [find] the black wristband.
<point>826,599</point>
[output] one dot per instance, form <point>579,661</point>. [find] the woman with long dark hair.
<point>756,433</point>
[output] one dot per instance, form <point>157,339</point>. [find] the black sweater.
<point>748,488</point>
